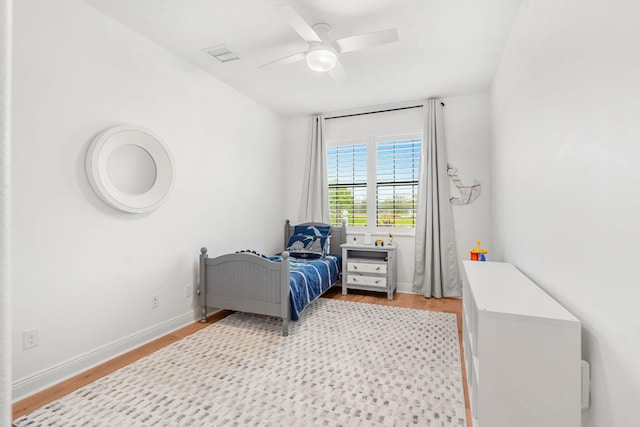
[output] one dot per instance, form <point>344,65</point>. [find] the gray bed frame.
<point>253,284</point>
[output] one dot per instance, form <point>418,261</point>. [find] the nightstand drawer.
<point>366,267</point>
<point>354,279</point>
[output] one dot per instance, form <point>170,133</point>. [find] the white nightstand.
<point>369,268</point>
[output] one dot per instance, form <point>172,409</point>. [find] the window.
<point>347,170</point>
<point>373,182</point>
<point>397,169</point>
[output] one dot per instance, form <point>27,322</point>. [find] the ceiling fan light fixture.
<point>321,58</point>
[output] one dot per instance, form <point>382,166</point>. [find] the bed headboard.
<point>338,234</point>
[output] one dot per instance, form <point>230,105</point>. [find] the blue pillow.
<point>316,230</point>
<point>313,230</point>
<point>306,246</point>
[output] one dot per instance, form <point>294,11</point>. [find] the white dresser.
<point>522,351</point>
<point>369,267</point>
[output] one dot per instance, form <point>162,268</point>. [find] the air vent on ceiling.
<point>221,53</point>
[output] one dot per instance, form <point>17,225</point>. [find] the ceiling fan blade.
<point>298,23</point>
<point>339,74</point>
<point>363,41</point>
<point>284,61</point>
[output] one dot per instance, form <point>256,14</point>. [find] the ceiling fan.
<point>322,54</point>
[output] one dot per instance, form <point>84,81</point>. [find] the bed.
<point>280,286</point>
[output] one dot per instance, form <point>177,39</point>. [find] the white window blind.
<point>373,182</point>
<point>397,170</point>
<point>347,173</point>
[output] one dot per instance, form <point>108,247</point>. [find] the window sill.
<point>383,233</point>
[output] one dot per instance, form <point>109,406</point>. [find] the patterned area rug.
<point>344,364</point>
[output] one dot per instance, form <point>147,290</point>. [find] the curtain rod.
<point>375,112</point>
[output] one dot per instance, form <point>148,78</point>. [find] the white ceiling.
<point>446,47</point>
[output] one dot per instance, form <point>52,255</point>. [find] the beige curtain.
<point>315,188</point>
<point>436,266</point>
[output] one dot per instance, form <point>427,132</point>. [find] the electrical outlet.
<point>155,301</point>
<point>30,339</point>
<point>188,290</point>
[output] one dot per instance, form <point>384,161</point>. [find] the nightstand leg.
<point>390,295</point>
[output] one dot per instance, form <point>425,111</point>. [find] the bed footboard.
<point>245,282</point>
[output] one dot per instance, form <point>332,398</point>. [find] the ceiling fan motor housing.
<point>323,31</point>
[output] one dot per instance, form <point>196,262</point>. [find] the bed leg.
<point>285,327</point>
<point>203,315</point>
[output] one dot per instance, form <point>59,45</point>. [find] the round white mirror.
<point>130,168</point>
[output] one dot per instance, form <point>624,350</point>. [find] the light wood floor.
<point>447,305</point>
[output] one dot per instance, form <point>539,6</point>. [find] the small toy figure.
<point>379,242</point>
<point>478,254</point>
<point>390,239</point>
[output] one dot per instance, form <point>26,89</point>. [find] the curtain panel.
<point>315,188</point>
<point>436,267</point>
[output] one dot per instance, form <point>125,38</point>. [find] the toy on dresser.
<point>478,254</point>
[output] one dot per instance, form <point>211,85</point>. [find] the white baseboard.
<point>405,288</point>
<point>58,373</point>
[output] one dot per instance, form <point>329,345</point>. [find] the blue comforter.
<point>309,279</point>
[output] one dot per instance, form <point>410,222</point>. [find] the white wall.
<point>467,120</point>
<point>467,131</point>
<point>566,157</point>
<point>5,210</point>
<point>84,273</point>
